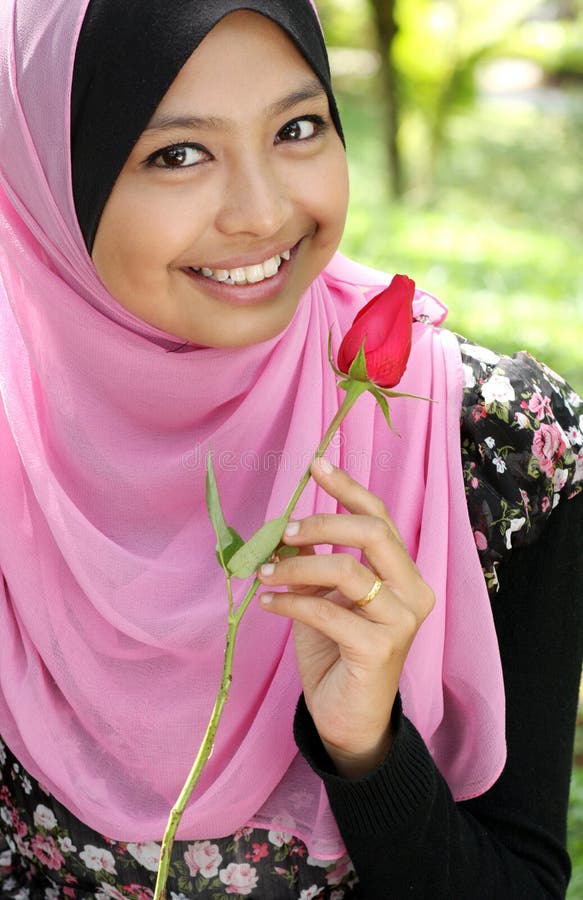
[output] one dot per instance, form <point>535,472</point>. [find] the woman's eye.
<point>301,129</point>
<point>179,156</point>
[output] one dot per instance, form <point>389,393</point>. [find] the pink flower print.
<point>97,859</point>
<point>548,446</point>
<point>243,832</point>
<point>578,476</point>
<point>203,857</point>
<point>69,892</point>
<point>259,852</point>
<point>240,878</point>
<point>475,483</point>
<point>337,895</point>
<point>481,540</point>
<point>540,406</point>
<point>147,854</point>
<point>21,828</point>
<point>521,420</point>
<point>278,837</point>
<point>46,851</point>
<point>140,892</point>
<point>545,504</point>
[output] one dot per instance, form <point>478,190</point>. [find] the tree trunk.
<point>386,29</point>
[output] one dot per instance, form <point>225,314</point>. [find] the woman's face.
<point>233,199</point>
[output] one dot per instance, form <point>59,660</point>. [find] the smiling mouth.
<point>245,274</point>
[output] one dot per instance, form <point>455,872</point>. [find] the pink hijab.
<point>112,606</point>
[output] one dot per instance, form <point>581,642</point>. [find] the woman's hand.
<point>350,658</point>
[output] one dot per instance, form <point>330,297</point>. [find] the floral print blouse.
<point>522,452</point>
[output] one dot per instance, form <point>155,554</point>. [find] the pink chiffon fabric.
<point>112,606</point>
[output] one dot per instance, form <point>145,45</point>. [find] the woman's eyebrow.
<point>308,90</point>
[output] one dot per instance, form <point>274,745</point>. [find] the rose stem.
<point>354,390</point>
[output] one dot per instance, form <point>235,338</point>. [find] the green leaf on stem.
<point>357,369</point>
<point>257,549</point>
<point>228,541</point>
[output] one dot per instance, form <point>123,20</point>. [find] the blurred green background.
<point>464,128</point>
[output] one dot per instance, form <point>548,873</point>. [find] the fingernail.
<point>267,569</point>
<point>266,599</point>
<point>325,465</point>
<point>291,528</point>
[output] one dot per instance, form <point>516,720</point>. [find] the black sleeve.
<point>404,832</point>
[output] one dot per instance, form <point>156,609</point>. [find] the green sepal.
<point>257,549</point>
<point>388,393</point>
<point>357,370</point>
<point>330,357</point>
<point>228,541</point>
<point>382,402</point>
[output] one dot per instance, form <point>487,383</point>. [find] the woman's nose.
<point>255,201</point>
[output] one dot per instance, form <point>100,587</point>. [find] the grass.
<point>497,236</point>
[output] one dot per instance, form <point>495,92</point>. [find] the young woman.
<point>172,194</point>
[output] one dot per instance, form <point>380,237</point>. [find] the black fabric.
<point>405,834</point>
<point>128,55</point>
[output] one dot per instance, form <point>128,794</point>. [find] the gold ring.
<point>371,594</point>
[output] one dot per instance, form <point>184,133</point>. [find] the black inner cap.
<point>128,55</point>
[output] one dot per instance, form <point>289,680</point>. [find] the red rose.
<point>385,325</point>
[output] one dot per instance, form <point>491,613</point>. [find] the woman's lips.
<point>246,294</point>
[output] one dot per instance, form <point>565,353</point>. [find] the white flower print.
<point>490,442</point>
<point>26,785</point>
<point>573,400</point>
<point>52,893</point>
<point>5,859</point>
<point>240,878</point>
<point>515,525</point>
<point>97,859</point>
<point>9,884</point>
<point>2,754</point>
<point>66,845</point>
<point>578,476</point>
<point>5,815</point>
<point>147,853</point>
<point>560,478</point>
<point>311,892</point>
<point>498,389</point>
<point>110,892</point>
<point>521,420</point>
<point>44,817</point>
<point>499,463</point>
<point>203,857</point>
<point>174,896</point>
<point>469,377</point>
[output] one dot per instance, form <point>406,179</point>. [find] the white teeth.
<point>270,267</point>
<point>255,273</point>
<point>247,274</point>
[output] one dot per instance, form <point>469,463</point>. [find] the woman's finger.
<point>330,570</point>
<point>350,493</point>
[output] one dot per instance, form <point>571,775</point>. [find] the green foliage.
<point>500,238</point>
